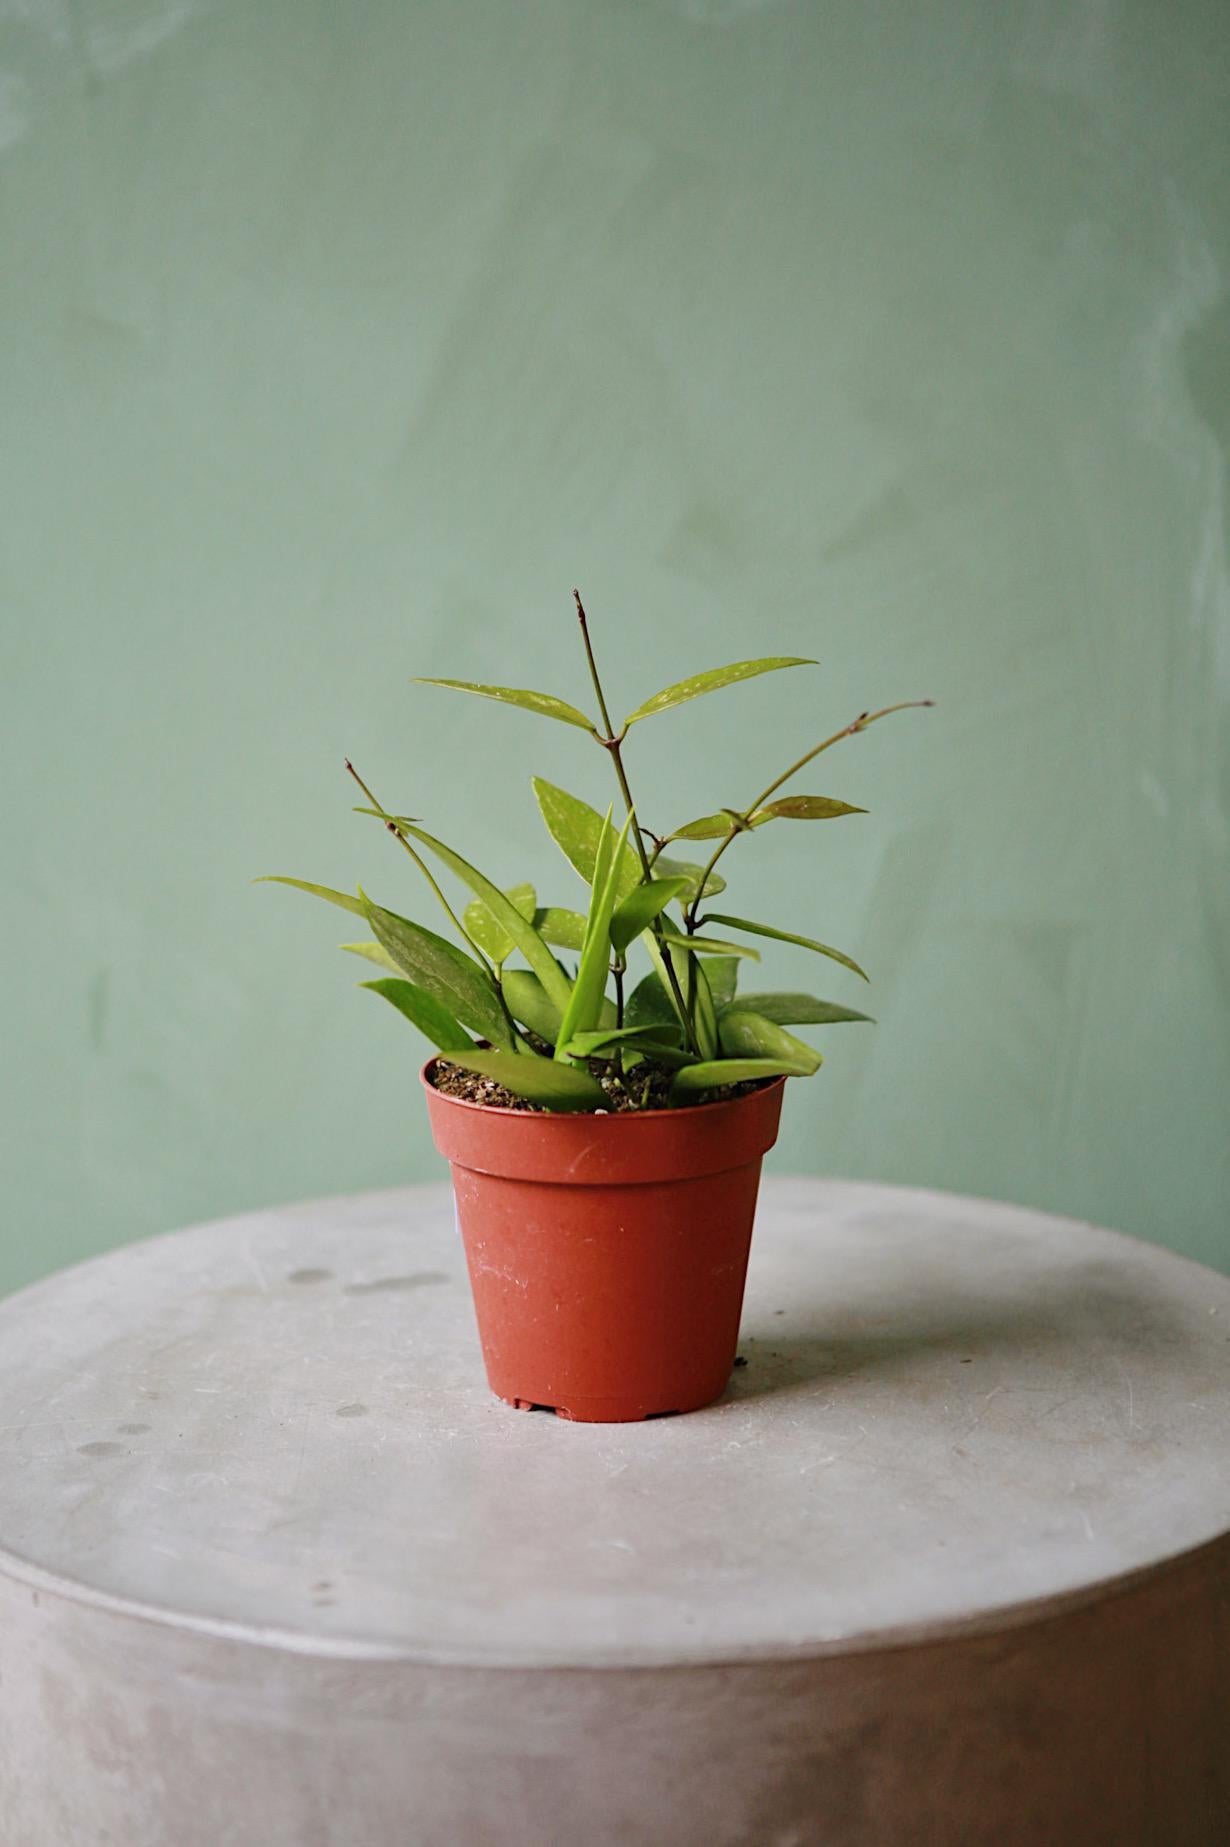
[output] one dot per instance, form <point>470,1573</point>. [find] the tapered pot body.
<point>607,1254</point>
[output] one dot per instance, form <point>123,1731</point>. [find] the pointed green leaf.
<point>640,907</point>
<point>563,929</point>
<point>584,1009</point>
<point>506,914</point>
<point>418,1006</point>
<point>603,860</point>
<point>545,704</point>
<point>709,827</point>
<point>743,1034</point>
<point>723,973</point>
<point>450,976</point>
<point>372,952</point>
<point>790,808</point>
<point>490,936</point>
<point>679,961</point>
<point>537,1080</point>
<point>718,1071</point>
<point>342,899</point>
<point>530,1004</point>
<point>576,829</point>
<point>712,946</point>
<point>787,936</point>
<point>704,1014</point>
<point>710,682</point>
<point>802,808</point>
<point>657,1040</point>
<point>665,868</point>
<point>799,1009</point>
<point>650,1004</point>
<point>693,985</point>
<point>382,814</point>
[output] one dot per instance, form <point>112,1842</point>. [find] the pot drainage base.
<point>572,1417</point>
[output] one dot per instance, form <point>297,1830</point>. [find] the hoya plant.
<point>542,1001</point>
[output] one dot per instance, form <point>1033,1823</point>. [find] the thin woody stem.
<point>611,744</point>
<point>397,834</point>
<point>847,731</point>
<point>460,928</point>
<point>609,741</point>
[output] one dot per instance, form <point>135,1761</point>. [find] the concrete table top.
<point>955,1418</point>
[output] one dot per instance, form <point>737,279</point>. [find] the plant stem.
<point>847,731</point>
<point>456,922</point>
<point>397,834</point>
<point>611,744</point>
<point>618,972</point>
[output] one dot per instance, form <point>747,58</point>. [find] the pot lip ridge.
<point>683,1113</point>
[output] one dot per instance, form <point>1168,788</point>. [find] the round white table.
<point>950,1562</point>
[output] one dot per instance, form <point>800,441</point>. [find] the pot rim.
<point>585,1115</point>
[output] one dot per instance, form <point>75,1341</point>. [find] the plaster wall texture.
<point>337,344</point>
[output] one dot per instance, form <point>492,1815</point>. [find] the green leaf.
<point>506,914</point>
<point>717,1071</point>
<point>709,827</point>
<point>704,1014</point>
<point>563,929</point>
<point>342,899</point>
<point>743,1034</point>
<point>654,1039</point>
<point>799,1009</point>
<point>490,936</point>
<point>545,704</point>
<point>693,985</point>
<point>418,1006</point>
<point>640,907</point>
<point>576,829</point>
<point>584,1009</point>
<point>787,936</point>
<point>460,984</point>
<point>712,946</point>
<point>723,973</point>
<point>790,808</point>
<point>538,1080</point>
<point>665,868</point>
<point>802,808</point>
<point>711,682</point>
<point>371,952</point>
<point>650,1004</point>
<point>657,955</point>
<point>529,1002</point>
<point>450,976</point>
<point>603,860</point>
<point>382,814</point>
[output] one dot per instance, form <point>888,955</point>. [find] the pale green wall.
<point>339,340</point>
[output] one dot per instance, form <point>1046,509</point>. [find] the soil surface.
<point>648,1087</point>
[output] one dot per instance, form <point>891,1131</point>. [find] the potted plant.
<point>605,1132</point>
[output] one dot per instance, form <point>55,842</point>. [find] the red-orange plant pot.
<point>607,1254</point>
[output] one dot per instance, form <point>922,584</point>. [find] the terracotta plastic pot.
<point>607,1254</point>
